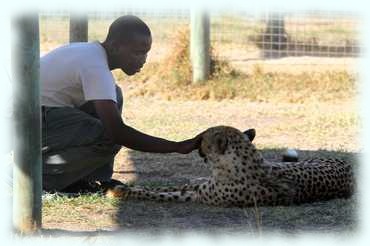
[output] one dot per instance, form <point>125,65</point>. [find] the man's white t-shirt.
<point>74,74</point>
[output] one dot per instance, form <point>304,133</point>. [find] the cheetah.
<point>242,177</point>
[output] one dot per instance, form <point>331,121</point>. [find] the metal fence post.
<point>200,45</point>
<point>27,171</point>
<point>78,28</point>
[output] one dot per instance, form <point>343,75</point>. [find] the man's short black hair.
<point>125,27</point>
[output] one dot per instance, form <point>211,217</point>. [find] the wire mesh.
<point>242,38</point>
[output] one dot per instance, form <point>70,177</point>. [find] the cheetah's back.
<point>316,179</point>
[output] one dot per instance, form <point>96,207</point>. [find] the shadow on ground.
<point>337,216</point>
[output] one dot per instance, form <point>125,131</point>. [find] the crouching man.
<point>82,128</point>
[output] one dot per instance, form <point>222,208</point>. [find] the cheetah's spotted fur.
<point>241,177</point>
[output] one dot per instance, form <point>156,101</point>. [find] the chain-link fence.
<point>302,39</point>
<point>311,33</point>
<point>288,42</point>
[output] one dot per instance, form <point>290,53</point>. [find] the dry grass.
<point>258,86</point>
<point>79,213</point>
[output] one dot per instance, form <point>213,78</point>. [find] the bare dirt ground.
<point>315,129</point>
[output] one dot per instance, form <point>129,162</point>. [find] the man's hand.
<point>187,146</point>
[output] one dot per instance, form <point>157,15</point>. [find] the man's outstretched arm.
<point>131,138</point>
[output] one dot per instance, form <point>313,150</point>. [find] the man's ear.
<point>250,133</point>
<point>221,144</point>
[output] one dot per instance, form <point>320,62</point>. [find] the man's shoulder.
<point>90,54</point>
<point>87,48</point>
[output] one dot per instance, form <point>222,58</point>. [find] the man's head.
<point>127,44</point>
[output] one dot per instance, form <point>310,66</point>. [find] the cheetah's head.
<point>216,141</point>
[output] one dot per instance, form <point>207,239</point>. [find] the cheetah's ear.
<point>221,143</point>
<point>250,133</point>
